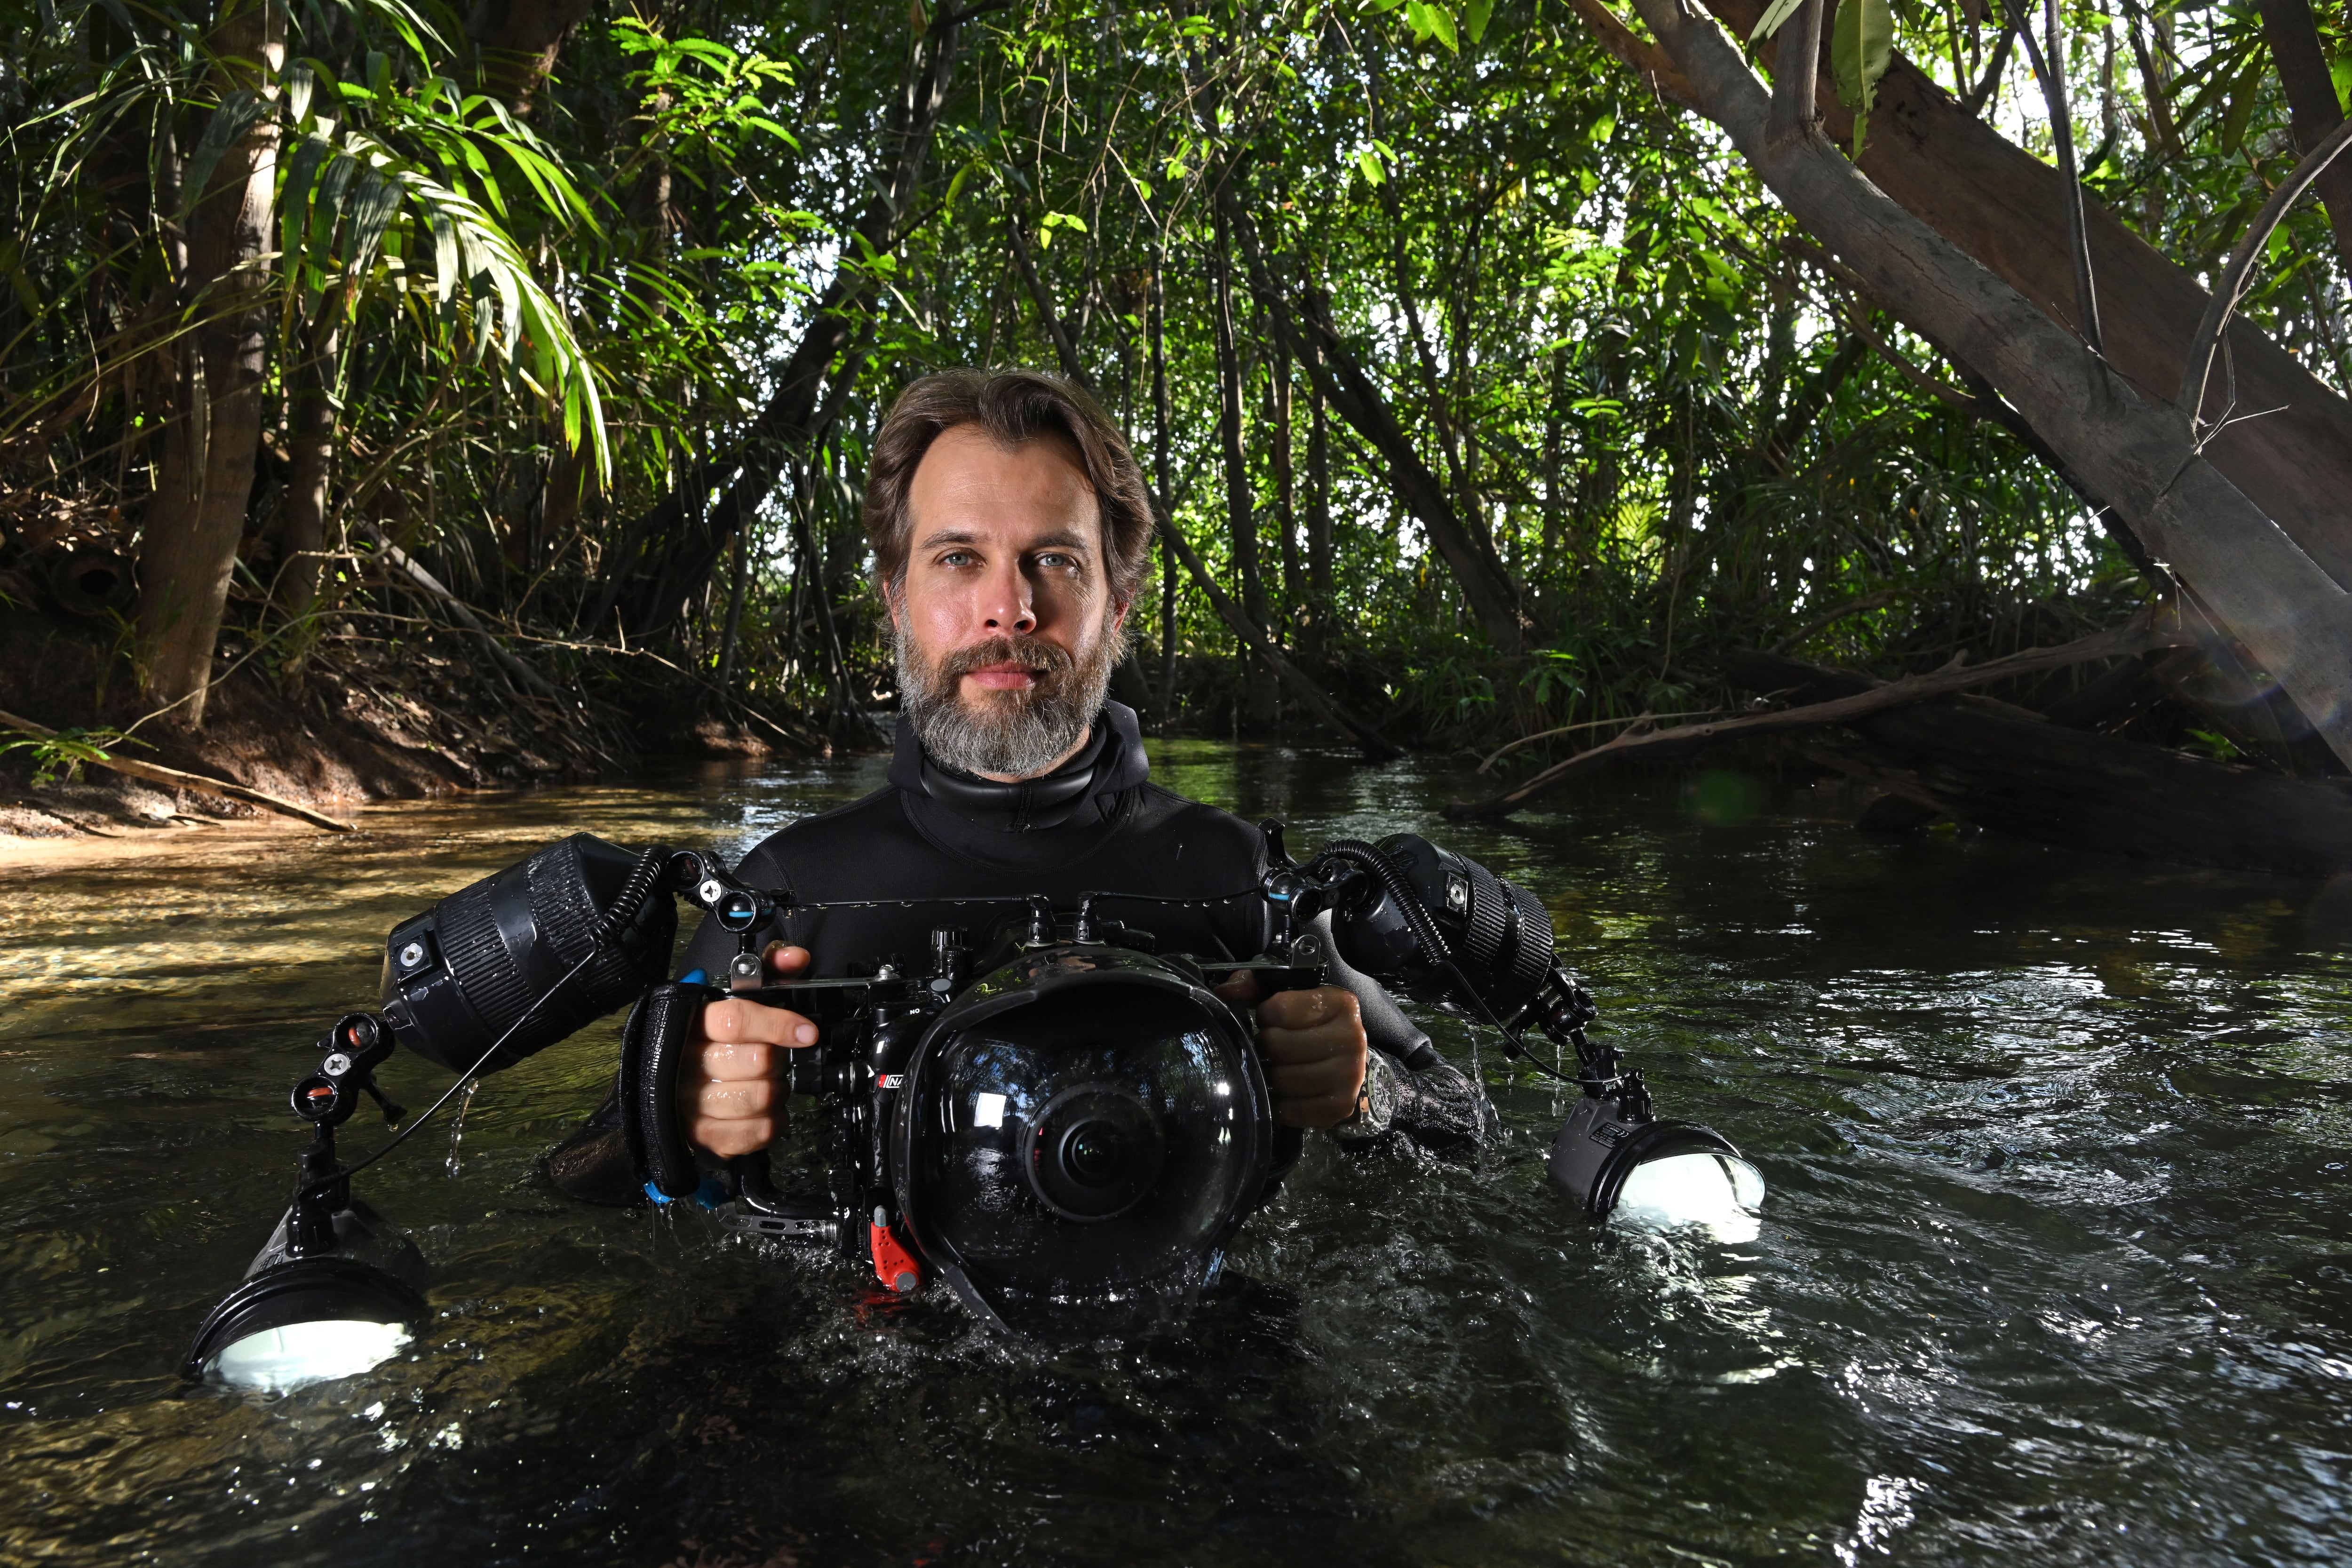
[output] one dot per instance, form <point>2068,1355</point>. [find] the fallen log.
<point>2000,768</point>
<point>154,773</point>
<point>1688,739</point>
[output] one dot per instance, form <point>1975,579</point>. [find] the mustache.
<point>1050,660</point>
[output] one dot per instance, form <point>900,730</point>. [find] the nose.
<point>1007,605</point>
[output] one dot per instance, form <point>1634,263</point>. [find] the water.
<point>2057,1263</point>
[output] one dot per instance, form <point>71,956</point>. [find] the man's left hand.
<point>1315,1049</point>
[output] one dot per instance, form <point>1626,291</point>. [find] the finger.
<point>729,1139</point>
<point>1242,987</point>
<point>783,960</point>
<point>726,1061</point>
<point>727,1101</point>
<point>1312,1080</point>
<point>1336,1039</point>
<point>734,1019</point>
<point>1305,1009</point>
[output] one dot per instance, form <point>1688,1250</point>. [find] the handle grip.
<point>660,1037</point>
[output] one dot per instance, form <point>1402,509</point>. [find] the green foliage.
<point>1862,46</point>
<point>63,754</point>
<point>1575,301</point>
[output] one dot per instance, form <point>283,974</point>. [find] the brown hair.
<point>1016,407</point>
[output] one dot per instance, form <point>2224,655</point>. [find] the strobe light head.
<point>1627,1169</point>
<point>1078,1136</point>
<point>297,1319</point>
<point>458,976</point>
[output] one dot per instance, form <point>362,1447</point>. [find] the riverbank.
<point>361,724</point>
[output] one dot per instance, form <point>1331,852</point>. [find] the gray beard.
<point>1016,733</point>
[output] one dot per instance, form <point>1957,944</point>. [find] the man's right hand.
<point>735,1104</point>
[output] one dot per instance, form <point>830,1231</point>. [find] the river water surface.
<point>2056,1264</point>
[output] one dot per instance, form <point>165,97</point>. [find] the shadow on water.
<point>2056,1261</point>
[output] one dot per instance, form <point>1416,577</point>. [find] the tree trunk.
<point>1485,585</point>
<point>1320,598</point>
<point>738,580</point>
<point>669,551</point>
<point>197,516</point>
<point>1241,503</point>
<point>2312,105</point>
<point>1253,639</point>
<point>1260,692</point>
<point>516,42</point>
<point>1277,456</point>
<point>2133,450</point>
<point>311,443</point>
<point>1160,420</point>
<point>2007,209</point>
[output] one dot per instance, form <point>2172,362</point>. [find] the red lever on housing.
<point>893,1264</point>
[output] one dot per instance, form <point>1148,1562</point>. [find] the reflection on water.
<point>2057,1261</point>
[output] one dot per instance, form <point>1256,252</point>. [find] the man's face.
<point>1006,625</point>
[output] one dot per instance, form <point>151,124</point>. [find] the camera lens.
<point>1094,1152</point>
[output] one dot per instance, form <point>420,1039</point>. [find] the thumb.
<point>783,960</point>
<point>1242,987</point>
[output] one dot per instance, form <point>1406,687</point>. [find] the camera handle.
<point>660,1035</point>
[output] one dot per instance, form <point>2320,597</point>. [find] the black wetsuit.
<point>935,847</point>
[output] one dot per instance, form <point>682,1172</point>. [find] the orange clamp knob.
<point>893,1264</point>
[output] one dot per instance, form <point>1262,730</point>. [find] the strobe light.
<point>298,1320</point>
<point>332,1292</point>
<point>1624,1166</point>
<point>1443,929</point>
<point>489,975</point>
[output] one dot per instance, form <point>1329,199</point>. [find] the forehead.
<point>972,485</point>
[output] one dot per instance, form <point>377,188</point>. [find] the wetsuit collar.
<point>1082,790</point>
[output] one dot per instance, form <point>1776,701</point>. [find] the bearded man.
<point>1011,530</point>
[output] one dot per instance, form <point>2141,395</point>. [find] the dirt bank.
<point>363,723</point>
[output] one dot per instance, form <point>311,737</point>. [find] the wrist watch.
<point>1376,1101</point>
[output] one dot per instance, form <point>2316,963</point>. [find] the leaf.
<point>1441,24</point>
<point>1768,23</point>
<point>1368,163</point>
<point>1862,46</point>
<point>444,257</point>
<point>294,197</point>
<point>1476,14</point>
<point>232,120</point>
<point>298,85</point>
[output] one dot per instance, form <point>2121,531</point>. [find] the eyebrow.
<point>1060,539</point>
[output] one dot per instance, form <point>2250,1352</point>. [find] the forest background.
<point>519,363</point>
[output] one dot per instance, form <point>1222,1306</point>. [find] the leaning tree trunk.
<point>197,515</point>
<point>2312,105</point>
<point>2134,451</point>
<point>2006,209</point>
<point>1304,324</point>
<point>668,551</point>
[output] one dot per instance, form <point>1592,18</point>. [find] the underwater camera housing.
<point>1063,1124</point>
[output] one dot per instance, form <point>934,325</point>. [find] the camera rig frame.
<point>1437,927</point>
